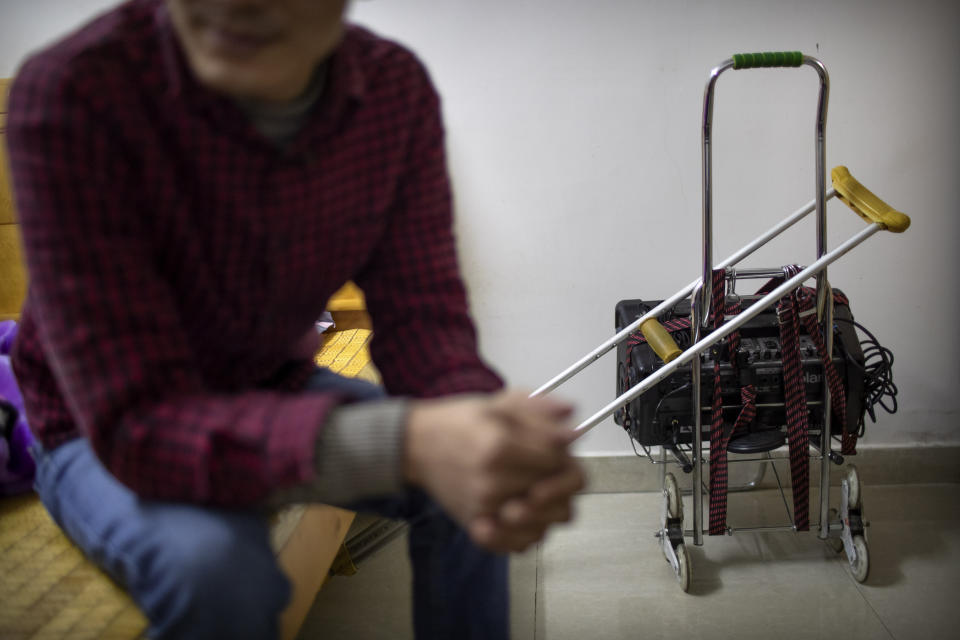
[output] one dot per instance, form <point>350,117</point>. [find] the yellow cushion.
<point>348,298</point>
<point>48,588</point>
<point>6,195</point>
<point>13,275</point>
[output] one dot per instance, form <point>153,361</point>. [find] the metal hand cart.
<point>847,525</point>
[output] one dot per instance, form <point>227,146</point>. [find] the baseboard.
<point>876,465</point>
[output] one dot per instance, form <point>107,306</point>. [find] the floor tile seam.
<point>912,485</point>
<point>840,561</point>
<point>870,487</point>
<point>632,491</point>
<point>773,487</point>
<point>537,591</point>
<point>862,592</point>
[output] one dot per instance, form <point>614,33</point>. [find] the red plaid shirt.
<point>178,260</point>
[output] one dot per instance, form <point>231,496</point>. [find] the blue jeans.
<point>200,572</point>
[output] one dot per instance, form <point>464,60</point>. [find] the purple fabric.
<point>8,331</point>
<point>16,464</point>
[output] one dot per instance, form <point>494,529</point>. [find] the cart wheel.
<point>853,484</point>
<point>861,565</point>
<point>836,544</point>
<point>671,493</point>
<point>683,574</point>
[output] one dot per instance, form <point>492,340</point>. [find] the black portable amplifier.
<point>663,415</point>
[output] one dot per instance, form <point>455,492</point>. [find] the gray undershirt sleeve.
<point>359,455</point>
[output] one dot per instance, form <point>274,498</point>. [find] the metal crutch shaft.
<point>624,333</point>
<point>728,328</point>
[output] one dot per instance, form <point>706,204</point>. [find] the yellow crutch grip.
<point>659,340</point>
<point>867,205</point>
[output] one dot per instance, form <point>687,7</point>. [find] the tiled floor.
<point>604,576</point>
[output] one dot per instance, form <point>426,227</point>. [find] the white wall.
<point>574,141</point>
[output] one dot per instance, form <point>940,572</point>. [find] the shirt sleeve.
<point>425,343</point>
<point>109,326</point>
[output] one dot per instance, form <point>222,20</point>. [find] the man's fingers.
<point>475,454</point>
<point>516,511</point>
<point>514,399</point>
<point>531,456</point>
<point>559,485</point>
<point>520,513</point>
<point>488,533</point>
<point>543,415</point>
<point>483,531</point>
<point>548,499</point>
<point>544,479</point>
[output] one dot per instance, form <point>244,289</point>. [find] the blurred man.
<point>194,179</point>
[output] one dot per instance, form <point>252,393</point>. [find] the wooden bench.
<point>49,590</point>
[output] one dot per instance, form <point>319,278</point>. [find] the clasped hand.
<point>499,464</point>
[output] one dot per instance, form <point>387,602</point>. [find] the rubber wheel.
<point>861,566</point>
<point>671,493</point>
<point>683,576</point>
<point>853,482</point>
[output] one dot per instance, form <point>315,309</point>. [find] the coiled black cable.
<point>878,386</point>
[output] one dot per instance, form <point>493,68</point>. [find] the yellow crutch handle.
<point>867,205</point>
<point>659,340</point>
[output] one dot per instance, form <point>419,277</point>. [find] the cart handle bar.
<point>767,59</point>
<point>729,327</point>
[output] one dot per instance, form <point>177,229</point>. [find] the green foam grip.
<point>767,59</point>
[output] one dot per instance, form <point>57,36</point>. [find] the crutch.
<point>872,209</point>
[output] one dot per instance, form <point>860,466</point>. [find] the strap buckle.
<point>781,311</point>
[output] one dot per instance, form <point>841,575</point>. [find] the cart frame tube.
<point>701,299</point>
<point>700,310</point>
